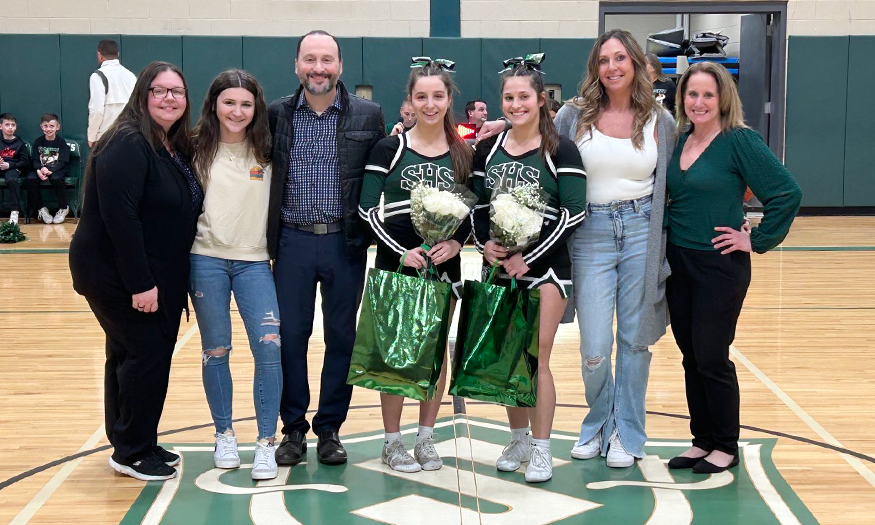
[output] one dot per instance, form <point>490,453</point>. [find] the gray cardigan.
<point>654,319</point>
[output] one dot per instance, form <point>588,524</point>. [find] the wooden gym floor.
<point>804,354</point>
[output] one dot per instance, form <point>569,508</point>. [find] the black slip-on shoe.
<point>330,449</point>
<point>292,449</point>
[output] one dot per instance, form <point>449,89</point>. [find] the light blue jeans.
<point>210,285</point>
<point>608,259</point>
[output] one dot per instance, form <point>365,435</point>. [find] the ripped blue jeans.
<point>210,285</point>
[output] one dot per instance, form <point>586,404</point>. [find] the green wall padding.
<point>30,80</point>
<point>204,57</point>
<point>859,188</point>
<point>492,52</point>
<point>465,52</point>
<point>78,61</point>
<point>386,63</point>
<point>817,81</point>
<point>352,62</point>
<point>272,61</point>
<point>565,62</point>
<point>140,50</point>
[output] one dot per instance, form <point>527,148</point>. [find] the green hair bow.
<point>531,61</point>
<point>446,65</point>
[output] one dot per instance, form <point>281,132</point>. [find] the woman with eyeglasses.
<point>129,258</point>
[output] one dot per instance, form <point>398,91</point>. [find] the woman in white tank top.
<point>614,124</point>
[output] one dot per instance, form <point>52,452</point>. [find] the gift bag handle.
<point>493,272</point>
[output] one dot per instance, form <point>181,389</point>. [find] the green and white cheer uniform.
<point>562,177</point>
<point>393,169</point>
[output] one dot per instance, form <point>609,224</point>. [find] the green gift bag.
<point>402,335</point>
<point>496,355</point>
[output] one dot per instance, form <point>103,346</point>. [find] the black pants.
<point>304,260</point>
<point>139,348</point>
<point>705,293</point>
<point>13,182</point>
<point>34,196</point>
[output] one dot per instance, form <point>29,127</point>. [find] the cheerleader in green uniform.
<point>532,152</point>
<point>430,152</point>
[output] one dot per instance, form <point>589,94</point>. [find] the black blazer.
<point>360,126</point>
<point>137,226</point>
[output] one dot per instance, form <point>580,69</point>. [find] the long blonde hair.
<point>592,97</point>
<point>731,112</point>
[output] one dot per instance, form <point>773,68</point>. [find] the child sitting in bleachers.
<point>51,155</point>
<point>14,160</point>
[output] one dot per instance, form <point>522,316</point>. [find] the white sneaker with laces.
<point>588,450</point>
<point>617,455</point>
<point>61,215</point>
<point>13,217</point>
<point>264,464</point>
<point>44,215</point>
<point>396,456</point>
<point>427,456</point>
<point>514,455</point>
<point>540,466</point>
<point>226,455</point>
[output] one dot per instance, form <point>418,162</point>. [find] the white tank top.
<point>615,170</point>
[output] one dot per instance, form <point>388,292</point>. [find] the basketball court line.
<point>855,463</point>
<point>36,503</point>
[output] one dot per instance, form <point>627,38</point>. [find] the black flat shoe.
<point>706,467</point>
<point>292,449</point>
<point>680,462</point>
<point>329,448</point>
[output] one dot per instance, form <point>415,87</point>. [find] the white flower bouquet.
<point>437,214</point>
<point>517,215</point>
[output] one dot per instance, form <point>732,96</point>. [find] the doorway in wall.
<point>755,51</point>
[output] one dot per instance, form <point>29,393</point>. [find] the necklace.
<point>708,138</point>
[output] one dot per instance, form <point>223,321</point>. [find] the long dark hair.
<point>549,135</point>
<point>208,130</point>
<point>592,97</point>
<point>460,152</point>
<point>135,118</point>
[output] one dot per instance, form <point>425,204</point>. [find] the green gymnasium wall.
<point>830,128</point>
<point>40,73</point>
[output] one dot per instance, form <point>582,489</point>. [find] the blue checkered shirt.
<point>312,194</point>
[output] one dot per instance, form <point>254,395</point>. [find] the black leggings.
<point>705,293</point>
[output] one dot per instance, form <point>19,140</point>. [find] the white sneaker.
<point>617,455</point>
<point>61,215</point>
<point>226,455</point>
<point>396,456</point>
<point>13,217</point>
<point>264,464</point>
<point>588,450</point>
<point>427,456</point>
<point>44,215</point>
<point>540,466</point>
<point>514,455</point>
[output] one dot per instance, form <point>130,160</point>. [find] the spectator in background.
<point>14,160</point>
<point>476,113</point>
<point>406,121</point>
<point>51,154</point>
<point>553,106</point>
<point>110,87</point>
<point>663,88</point>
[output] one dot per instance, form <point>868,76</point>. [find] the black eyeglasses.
<point>161,92</point>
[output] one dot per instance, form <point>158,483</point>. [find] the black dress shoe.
<point>706,467</point>
<point>679,462</point>
<point>292,449</point>
<point>330,449</point>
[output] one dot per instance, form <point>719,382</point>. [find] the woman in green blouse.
<point>710,260</point>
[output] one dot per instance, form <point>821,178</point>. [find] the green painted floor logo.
<point>468,490</point>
